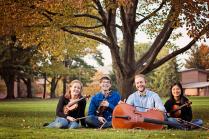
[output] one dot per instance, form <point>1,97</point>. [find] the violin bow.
<point>81,118</point>
<point>103,124</point>
<point>192,124</point>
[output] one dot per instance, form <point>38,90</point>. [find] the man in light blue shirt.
<point>144,99</point>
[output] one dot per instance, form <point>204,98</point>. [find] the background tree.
<point>100,20</point>
<point>15,61</point>
<point>161,79</point>
<point>158,18</point>
<point>29,22</point>
<point>199,57</point>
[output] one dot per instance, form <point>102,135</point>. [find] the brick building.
<point>195,82</point>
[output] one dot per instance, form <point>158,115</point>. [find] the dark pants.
<point>93,122</point>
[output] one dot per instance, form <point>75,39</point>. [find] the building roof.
<point>196,85</point>
<point>194,69</point>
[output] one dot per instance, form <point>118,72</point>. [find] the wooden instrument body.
<point>126,116</point>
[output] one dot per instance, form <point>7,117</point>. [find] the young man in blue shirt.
<point>102,105</point>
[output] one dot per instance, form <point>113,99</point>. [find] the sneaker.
<point>45,124</point>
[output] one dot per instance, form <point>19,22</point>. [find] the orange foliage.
<point>93,87</point>
<point>204,55</point>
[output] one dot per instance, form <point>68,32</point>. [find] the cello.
<point>126,116</point>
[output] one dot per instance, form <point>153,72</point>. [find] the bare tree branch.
<point>88,15</point>
<point>101,11</point>
<point>83,27</point>
<point>175,53</point>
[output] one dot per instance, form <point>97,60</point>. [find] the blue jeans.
<point>183,125</point>
<point>93,122</point>
<point>61,122</point>
<point>197,122</point>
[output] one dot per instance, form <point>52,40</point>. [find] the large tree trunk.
<point>125,86</point>
<point>45,78</point>
<point>53,87</point>
<point>64,85</point>
<point>9,80</point>
<point>29,88</point>
<point>18,87</point>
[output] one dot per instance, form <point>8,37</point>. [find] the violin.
<point>126,116</point>
<point>101,108</point>
<point>70,104</point>
<point>176,109</point>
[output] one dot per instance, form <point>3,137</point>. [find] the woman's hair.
<point>68,93</point>
<point>182,93</point>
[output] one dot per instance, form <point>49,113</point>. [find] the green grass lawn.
<point>21,119</point>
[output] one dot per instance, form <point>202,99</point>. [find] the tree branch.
<point>150,15</point>
<point>83,27</point>
<point>88,15</point>
<point>86,35</point>
<point>101,11</point>
<point>175,53</point>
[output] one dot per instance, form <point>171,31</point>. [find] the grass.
<point>22,119</point>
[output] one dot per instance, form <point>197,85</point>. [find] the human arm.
<point>82,112</point>
<point>158,103</point>
<point>114,100</point>
<point>130,100</point>
<point>168,105</point>
<point>60,106</point>
<point>186,111</point>
<point>92,107</point>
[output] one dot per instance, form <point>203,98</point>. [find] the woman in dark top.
<point>66,115</point>
<point>175,102</point>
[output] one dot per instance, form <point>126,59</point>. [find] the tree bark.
<point>53,87</point>
<point>29,88</point>
<point>64,85</point>
<point>125,86</point>
<point>18,87</point>
<point>44,95</point>
<point>9,80</point>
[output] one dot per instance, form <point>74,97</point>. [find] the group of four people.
<point>103,103</point>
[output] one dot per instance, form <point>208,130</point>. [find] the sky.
<point>142,37</point>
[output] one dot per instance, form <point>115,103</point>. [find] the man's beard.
<point>142,90</point>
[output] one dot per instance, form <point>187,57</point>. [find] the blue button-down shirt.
<point>145,102</point>
<point>113,100</point>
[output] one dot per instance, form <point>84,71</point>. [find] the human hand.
<point>102,119</point>
<point>71,119</point>
<point>104,103</point>
<point>156,109</point>
<point>122,101</point>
